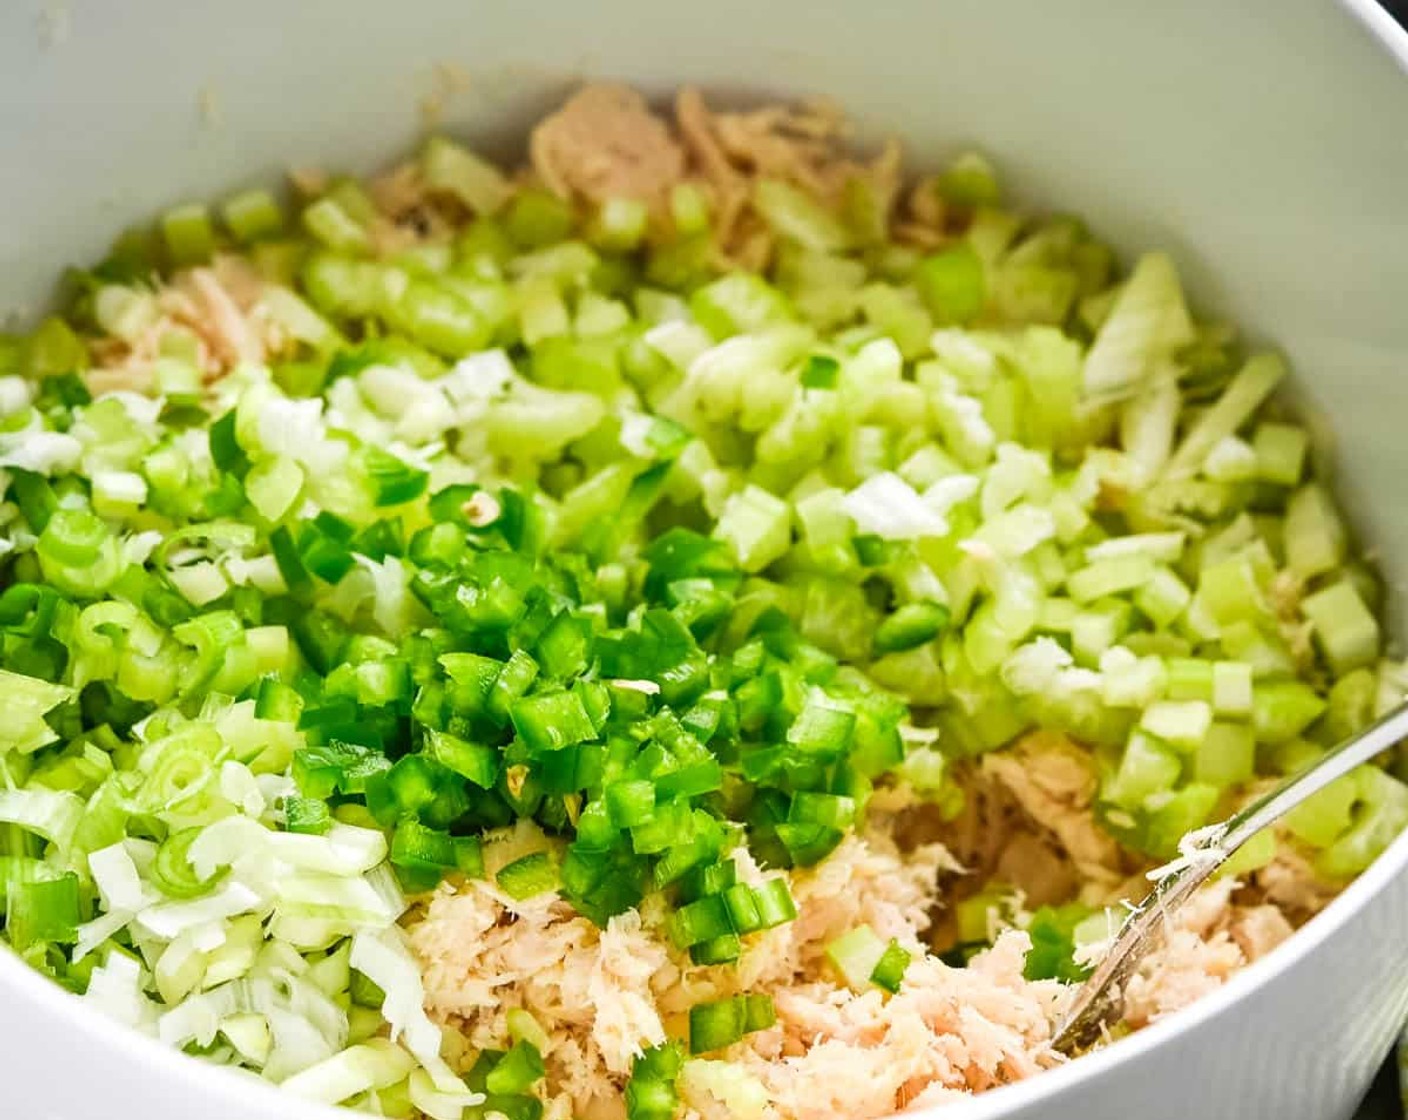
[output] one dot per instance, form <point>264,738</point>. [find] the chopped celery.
<point>1226,755</point>
<point>968,181</point>
<point>1243,395</point>
<point>1346,631</point>
<point>1183,724</point>
<point>1280,452</point>
<point>455,170</point>
<point>190,237</point>
<point>757,525</point>
<point>856,955</point>
<point>1146,324</point>
<point>795,215</point>
<point>952,285</point>
<point>1146,768</point>
<point>252,215</point>
<point>1281,710</point>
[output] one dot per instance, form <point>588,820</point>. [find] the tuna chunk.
<point>606,143</point>
<point>1212,939</point>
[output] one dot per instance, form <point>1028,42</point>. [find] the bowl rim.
<point>40,994</point>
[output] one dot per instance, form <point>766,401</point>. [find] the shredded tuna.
<point>216,308</point>
<point>730,187</point>
<point>604,995</point>
<point>1055,782</point>
<point>850,1055</point>
<point>606,143</point>
<point>483,955</point>
<point>1291,884</point>
<point>220,319</point>
<point>1212,938</point>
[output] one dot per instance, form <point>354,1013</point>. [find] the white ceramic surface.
<point>1263,141</point>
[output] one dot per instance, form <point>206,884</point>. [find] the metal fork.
<point>1100,1000</point>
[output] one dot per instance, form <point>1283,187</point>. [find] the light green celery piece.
<point>455,170</point>
<point>970,180</point>
<point>52,814</point>
<point>876,366</point>
<point>1017,531</point>
<point>926,466</point>
<point>1231,460</point>
<point>1017,474</point>
<point>1314,534</point>
<point>742,378</point>
<point>800,437</point>
<point>1112,576</point>
<point>1003,620</point>
<point>330,223</point>
<point>541,310</point>
<point>1347,632</point>
<point>1127,681</point>
<point>1182,724</point>
<point>1280,452</point>
<point>915,674</point>
<point>991,232</point>
<point>295,316</point>
<point>273,485</point>
<point>1146,768</point>
<point>189,235</point>
<point>797,216</point>
<point>252,215</point>
<point>1227,542</point>
<point>535,423</point>
<point>1231,592</point>
<point>1148,422</point>
<point>372,1065</point>
<point>1225,756</point>
<point>836,615</point>
<point>24,701</point>
<point>1252,643</point>
<point>855,955</point>
<point>740,1091</point>
<point>1353,704</point>
<point>1049,565</point>
<point>959,418</point>
<point>598,316</point>
<point>125,312</point>
<point>1147,323</point>
<point>1380,817</point>
<point>1232,688</point>
<point>1098,627</point>
<point>898,312</point>
<point>1282,709</point>
<point>1242,397</point>
<point>568,264</point>
<point>758,525</point>
<point>823,519</point>
<point>595,498</point>
<point>1162,548</point>
<point>1034,293</point>
<point>738,303</point>
<point>1049,365</point>
<point>1321,818</point>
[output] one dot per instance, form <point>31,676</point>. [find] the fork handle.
<point>1100,1000</point>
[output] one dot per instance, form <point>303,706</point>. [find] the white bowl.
<point>1263,142</point>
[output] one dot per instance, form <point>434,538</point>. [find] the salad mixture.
<point>702,625</point>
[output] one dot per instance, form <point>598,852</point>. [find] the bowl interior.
<point>1259,142</point>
